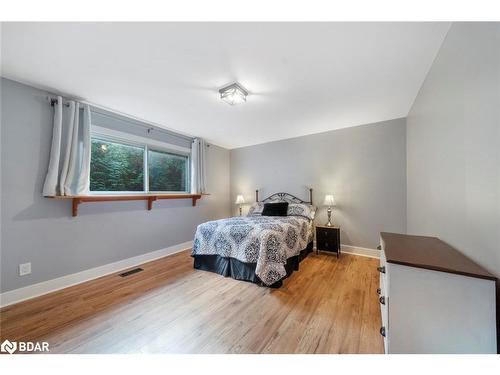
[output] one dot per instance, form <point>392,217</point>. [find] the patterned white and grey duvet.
<point>267,241</point>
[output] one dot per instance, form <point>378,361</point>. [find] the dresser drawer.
<point>383,270</point>
<point>384,327</point>
<point>383,285</point>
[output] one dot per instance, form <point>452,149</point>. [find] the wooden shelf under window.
<point>77,199</point>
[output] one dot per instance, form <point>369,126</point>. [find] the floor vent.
<point>131,272</point>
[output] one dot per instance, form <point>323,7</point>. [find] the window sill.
<point>77,199</point>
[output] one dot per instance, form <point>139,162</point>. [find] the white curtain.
<point>69,165</point>
<point>198,161</point>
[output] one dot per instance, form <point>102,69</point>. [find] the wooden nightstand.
<point>328,239</point>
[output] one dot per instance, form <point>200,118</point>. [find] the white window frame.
<point>111,135</point>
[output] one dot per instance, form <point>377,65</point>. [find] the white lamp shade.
<point>329,200</point>
<point>240,199</point>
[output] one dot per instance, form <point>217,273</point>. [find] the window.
<point>167,171</point>
<point>136,165</point>
<point>116,166</point>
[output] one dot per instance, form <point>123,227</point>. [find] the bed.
<point>261,249</point>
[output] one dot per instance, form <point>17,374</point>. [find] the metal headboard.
<point>284,197</point>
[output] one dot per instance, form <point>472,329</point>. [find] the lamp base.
<point>329,212</point>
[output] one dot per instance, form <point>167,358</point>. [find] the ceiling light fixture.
<point>233,94</point>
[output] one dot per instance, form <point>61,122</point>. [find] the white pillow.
<point>256,209</point>
<point>301,209</point>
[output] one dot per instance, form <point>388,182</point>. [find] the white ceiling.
<point>303,78</point>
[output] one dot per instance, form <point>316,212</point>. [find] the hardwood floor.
<point>329,306</point>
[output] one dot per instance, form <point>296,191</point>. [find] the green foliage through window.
<point>116,167</point>
<point>167,172</point>
<point>119,167</point>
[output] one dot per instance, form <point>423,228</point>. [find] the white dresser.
<point>433,299</point>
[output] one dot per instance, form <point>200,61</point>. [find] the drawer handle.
<point>381,269</point>
<point>379,290</point>
<point>382,331</point>
<point>379,247</point>
<point>382,300</point>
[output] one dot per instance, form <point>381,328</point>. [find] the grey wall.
<point>41,231</point>
<point>453,143</point>
<point>364,167</point>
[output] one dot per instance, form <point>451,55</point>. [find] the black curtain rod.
<point>53,102</point>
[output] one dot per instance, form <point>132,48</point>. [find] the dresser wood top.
<point>429,253</point>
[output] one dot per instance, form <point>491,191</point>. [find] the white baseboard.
<point>35,290</point>
<point>361,251</point>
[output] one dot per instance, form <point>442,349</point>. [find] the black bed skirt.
<point>230,267</point>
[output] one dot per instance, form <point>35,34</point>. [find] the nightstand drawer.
<point>326,245</point>
<point>326,234</point>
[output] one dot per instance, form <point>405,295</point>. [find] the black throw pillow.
<point>275,209</point>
